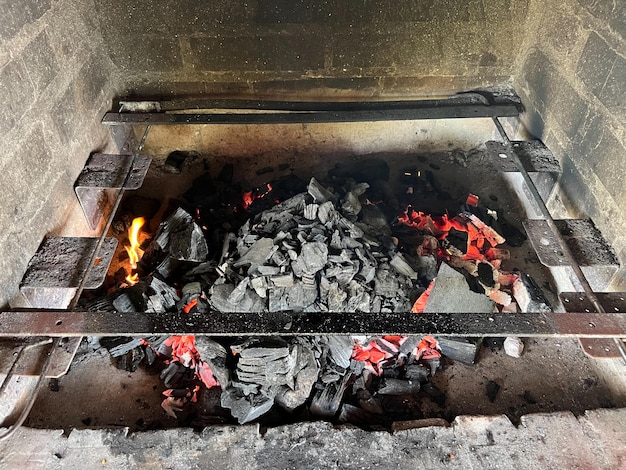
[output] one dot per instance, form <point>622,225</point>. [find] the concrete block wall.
<point>55,82</point>
<point>572,78</point>
<point>312,48</point>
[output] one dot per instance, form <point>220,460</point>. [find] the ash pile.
<point>323,250</point>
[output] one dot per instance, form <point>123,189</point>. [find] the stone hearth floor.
<point>555,440</point>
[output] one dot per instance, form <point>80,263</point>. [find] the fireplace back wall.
<point>62,62</point>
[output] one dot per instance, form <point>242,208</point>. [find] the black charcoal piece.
<point>417,373</point>
<point>396,387</point>
<point>320,193</point>
<point>306,373</point>
<point>340,350</point>
<point>464,350</point>
<point>246,408</point>
<point>327,401</point>
<point>215,355</point>
<point>529,296</point>
<point>359,416</point>
<point>175,161</point>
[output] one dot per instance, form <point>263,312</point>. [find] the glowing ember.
<point>422,300</point>
<point>250,196</point>
<point>481,239</point>
<point>184,351</point>
<point>187,308</point>
<point>134,252</point>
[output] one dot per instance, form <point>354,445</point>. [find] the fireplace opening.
<point>260,217</point>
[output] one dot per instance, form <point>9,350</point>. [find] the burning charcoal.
<point>176,221</point>
<point>215,356</point>
<point>246,408</point>
<point>326,401</point>
<point>306,372</point>
<point>529,296</point>
<point>320,193</point>
<point>396,387</point>
<point>399,263</point>
<point>451,293</point>
<point>257,254</point>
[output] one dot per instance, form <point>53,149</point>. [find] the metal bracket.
<point>598,348</point>
<point>29,364</point>
<point>55,272</point>
<point>593,254</point>
<point>538,161</point>
<point>103,176</point>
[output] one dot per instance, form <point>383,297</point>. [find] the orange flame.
<point>250,196</point>
<point>134,253</point>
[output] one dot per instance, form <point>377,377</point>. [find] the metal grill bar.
<point>63,323</point>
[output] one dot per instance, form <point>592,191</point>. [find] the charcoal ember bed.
<point>358,239</point>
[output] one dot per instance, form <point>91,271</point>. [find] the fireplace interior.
<point>228,111</point>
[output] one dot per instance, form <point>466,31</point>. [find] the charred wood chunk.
<point>246,407</point>
<point>327,401</point>
<point>306,373</point>
<point>215,355</point>
<point>398,387</point>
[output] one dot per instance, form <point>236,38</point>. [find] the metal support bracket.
<point>598,348</point>
<point>29,364</point>
<point>594,255</point>
<point>538,161</point>
<point>55,272</point>
<point>103,177</point>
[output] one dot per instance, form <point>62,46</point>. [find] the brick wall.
<point>55,82</point>
<point>573,81</point>
<point>312,47</point>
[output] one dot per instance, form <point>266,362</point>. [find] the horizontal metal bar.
<point>438,111</point>
<point>466,98</point>
<point>64,323</point>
